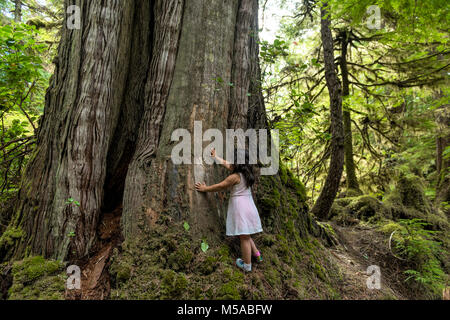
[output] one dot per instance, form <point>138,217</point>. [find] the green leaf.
<point>186,226</point>
<point>204,246</point>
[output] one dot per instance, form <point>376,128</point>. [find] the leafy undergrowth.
<point>425,253</point>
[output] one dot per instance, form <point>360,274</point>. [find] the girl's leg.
<point>246,248</point>
<point>254,249</point>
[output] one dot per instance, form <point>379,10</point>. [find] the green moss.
<point>33,268</point>
<point>343,202</point>
<point>283,174</point>
<point>208,266</point>
<point>328,229</point>
<point>290,226</point>
<point>272,277</point>
<point>300,189</point>
<point>319,271</point>
<point>233,285</point>
<point>268,240</point>
<point>11,235</point>
<point>224,254</point>
<point>37,278</point>
<point>408,193</point>
<point>345,210</point>
<point>270,203</point>
<point>228,291</point>
<point>350,192</point>
<point>364,207</point>
<point>336,210</point>
<point>122,270</point>
<point>411,193</point>
<point>408,201</point>
<point>181,258</point>
<point>173,285</point>
<point>47,288</point>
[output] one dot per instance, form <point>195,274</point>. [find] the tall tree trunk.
<point>135,72</point>
<point>323,204</point>
<point>352,180</point>
<point>76,133</point>
<point>442,119</point>
<point>17,10</point>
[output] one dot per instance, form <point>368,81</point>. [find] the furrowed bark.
<point>240,83</point>
<point>126,135</point>
<point>168,16</point>
<point>256,113</point>
<point>323,204</point>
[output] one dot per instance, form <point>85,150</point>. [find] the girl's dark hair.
<point>245,168</point>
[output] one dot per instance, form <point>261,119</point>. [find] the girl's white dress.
<point>242,215</point>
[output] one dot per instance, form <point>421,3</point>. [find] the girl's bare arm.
<point>225,184</point>
<point>223,162</point>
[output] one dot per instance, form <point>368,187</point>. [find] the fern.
<point>419,247</point>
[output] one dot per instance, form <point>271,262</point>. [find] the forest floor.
<point>359,247</point>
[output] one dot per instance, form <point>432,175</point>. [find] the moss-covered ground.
<point>36,278</point>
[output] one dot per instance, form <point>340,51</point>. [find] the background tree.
<point>17,10</point>
<point>323,204</point>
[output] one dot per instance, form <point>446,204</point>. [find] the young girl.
<point>242,216</point>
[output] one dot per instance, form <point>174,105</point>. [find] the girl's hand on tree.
<point>200,186</point>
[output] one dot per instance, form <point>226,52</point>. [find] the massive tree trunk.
<point>352,180</point>
<point>76,133</point>
<point>323,204</point>
<point>133,73</point>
